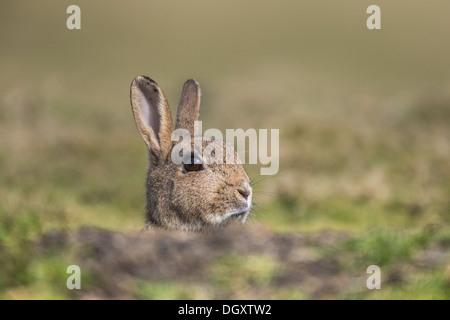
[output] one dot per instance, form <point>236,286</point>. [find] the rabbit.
<point>198,194</point>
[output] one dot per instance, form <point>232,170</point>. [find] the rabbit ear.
<point>152,116</point>
<point>189,107</point>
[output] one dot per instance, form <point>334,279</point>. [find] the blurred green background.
<point>363,117</point>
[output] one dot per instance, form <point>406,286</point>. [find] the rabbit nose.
<point>245,190</point>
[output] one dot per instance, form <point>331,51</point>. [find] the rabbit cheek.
<point>224,207</point>
<point>217,206</point>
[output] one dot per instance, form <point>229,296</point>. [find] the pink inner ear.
<point>148,103</point>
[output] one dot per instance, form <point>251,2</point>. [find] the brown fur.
<point>178,199</point>
<point>189,106</point>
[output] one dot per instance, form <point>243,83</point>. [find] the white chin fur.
<point>218,219</point>
<point>242,218</point>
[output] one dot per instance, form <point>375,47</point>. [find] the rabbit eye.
<point>195,164</point>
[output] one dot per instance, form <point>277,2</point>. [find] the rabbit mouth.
<point>241,216</point>
<point>238,214</point>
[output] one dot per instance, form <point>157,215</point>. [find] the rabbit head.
<point>199,193</point>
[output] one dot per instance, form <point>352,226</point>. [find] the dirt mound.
<point>116,258</point>
<point>314,263</point>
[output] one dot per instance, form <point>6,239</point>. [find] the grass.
<point>363,119</point>
<point>382,247</point>
<point>422,286</point>
<point>253,270</point>
<point>230,276</point>
<point>167,291</point>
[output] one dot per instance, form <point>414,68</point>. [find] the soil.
<point>313,262</point>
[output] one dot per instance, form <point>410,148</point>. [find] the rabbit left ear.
<point>189,106</point>
<point>152,116</point>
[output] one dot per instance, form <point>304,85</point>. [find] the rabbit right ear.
<point>152,116</point>
<point>189,107</point>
